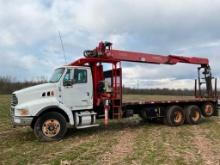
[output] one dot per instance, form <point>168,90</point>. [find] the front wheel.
<point>50,126</point>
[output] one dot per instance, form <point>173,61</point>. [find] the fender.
<point>61,108</point>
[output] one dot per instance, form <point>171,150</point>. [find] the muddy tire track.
<point>65,147</point>
<point>209,153</point>
<point>122,149</point>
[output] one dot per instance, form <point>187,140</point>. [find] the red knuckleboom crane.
<point>104,53</point>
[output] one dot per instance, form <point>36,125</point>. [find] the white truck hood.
<point>35,92</point>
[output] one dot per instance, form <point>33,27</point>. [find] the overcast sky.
<point>30,45</point>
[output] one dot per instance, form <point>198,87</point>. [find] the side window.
<point>68,76</point>
<point>80,75</point>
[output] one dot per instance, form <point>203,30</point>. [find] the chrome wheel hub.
<point>51,127</point>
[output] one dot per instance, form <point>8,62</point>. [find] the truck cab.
<point>65,101</point>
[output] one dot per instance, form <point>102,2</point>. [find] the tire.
<point>193,114</point>
<point>208,110</point>
<point>51,126</point>
<point>175,116</point>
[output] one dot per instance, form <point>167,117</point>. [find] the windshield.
<point>57,75</point>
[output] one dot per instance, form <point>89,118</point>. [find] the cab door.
<point>77,90</point>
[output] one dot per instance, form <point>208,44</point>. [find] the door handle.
<point>87,93</point>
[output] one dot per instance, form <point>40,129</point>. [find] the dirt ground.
<point>127,141</point>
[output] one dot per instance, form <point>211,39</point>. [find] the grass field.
<point>128,141</point>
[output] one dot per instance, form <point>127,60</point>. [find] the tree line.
<point>9,84</point>
<point>159,91</point>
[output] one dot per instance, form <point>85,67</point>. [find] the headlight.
<point>23,112</point>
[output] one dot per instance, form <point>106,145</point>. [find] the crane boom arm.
<point>105,53</point>
<point>153,58</point>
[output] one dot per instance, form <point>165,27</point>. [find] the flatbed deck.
<point>155,105</point>
<point>168,101</point>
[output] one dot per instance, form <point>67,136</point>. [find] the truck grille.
<point>14,100</point>
<point>12,112</point>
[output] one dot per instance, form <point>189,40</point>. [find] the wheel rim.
<point>51,127</point>
<point>208,109</point>
<point>178,117</point>
<point>195,116</point>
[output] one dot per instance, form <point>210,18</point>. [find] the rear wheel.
<point>50,126</point>
<point>175,116</point>
<point>207,109</point>
<point>193,114</point>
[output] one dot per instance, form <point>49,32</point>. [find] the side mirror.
<point>68,82</point>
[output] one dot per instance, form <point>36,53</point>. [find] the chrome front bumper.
<point>21,121</point>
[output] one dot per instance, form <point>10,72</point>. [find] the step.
<point>116,107</point>
<point>87,114</point>
<point>116,113</point>
<point>118,116</point>
<point>87,126</point>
